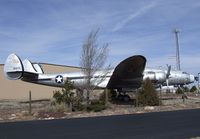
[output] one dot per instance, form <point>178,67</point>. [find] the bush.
<point>147,95</point>
<point>96,106</point>
<point>66,96</point>
<point>77,104</point>
<point>186,89</point>
<point>102,97</point>
<point>58,96</point>
<point>179,91</point>
<point>193,89</point>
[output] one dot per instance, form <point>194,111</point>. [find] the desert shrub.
<point>186,89</point>
<point>179,91</point>
<point>102,97</point>
<point>67,97</point>
<point>96,106</point>
<point>58,108</point>
<point>147,96</point>
<point>58,96</point>
<point>193,89</point>
<point>77,104</point>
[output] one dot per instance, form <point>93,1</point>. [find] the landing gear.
<point>120,96</point>
<point>123,97</point>
<point>126,98</point>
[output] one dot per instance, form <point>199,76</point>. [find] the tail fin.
<point>38,68</point>
<point>15,69</point>
<point>29,67</point>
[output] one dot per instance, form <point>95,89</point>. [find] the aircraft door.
<point>151,75</point>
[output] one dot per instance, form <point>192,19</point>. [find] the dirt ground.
<point>11,110</point>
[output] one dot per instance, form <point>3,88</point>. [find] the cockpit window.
<point>185,73</point>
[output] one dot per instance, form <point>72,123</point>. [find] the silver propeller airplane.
<point>128,74</point>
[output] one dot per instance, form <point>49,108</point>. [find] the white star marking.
<point>59,79</point>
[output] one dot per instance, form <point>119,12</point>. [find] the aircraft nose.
<point>192,78</point>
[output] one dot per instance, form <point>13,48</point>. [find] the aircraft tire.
<point>120,97</point>
<point>126,98</point>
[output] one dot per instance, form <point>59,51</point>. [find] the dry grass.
<point>15,111</point>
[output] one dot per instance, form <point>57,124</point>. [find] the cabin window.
<point>151,72</point>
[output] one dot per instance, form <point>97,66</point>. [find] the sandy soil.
<point>11,110</point>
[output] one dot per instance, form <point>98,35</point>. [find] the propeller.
<point>168,71</point>
<point>167,76</point>
<point>196,78</point>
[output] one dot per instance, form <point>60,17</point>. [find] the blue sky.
<point>53,31</point>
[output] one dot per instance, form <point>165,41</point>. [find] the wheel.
<point>120,97</point>
<point>113,94</point>
<point>126,98</point>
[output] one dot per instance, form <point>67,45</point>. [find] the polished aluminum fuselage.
<point>128,74</point>
<point>180,78</point>
<point>157,76</point>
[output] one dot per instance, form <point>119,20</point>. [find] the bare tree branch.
<point>93,59</point>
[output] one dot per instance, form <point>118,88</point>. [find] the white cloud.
<point>56,33</point>
<point>138,13</point>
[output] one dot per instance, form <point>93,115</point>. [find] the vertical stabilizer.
<point>28,66</point>
<point>13,68</point>
<point>38,68</point>
<point>32,68</point>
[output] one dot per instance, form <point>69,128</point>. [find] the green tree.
<point>66,95</point>
<point>179,91</point>
<point>186,89</point>
<point>147,95</point>
<point>193,89</point>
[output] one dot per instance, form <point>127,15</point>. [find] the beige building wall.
<point>19,90</point>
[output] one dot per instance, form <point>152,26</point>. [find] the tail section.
<point>15,69</point>
<point>38,68</point>
<point>29,67</point>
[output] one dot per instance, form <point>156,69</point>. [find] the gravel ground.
<point>11,110</point>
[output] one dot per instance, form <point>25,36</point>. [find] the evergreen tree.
<point>193,89</point>
<point>147,95</point>
<point>66,95</point>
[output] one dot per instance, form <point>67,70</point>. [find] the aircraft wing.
<point>128,73</point>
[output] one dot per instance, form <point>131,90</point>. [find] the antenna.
<point>178,66</point>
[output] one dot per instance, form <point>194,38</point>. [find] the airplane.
<point>128,74</point>
<point>173,77</point>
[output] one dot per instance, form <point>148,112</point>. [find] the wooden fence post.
<point>106,97</point>
<point>30,101</point>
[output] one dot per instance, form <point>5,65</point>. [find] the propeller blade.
<point>168,71</point>
<point>196,78</point>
